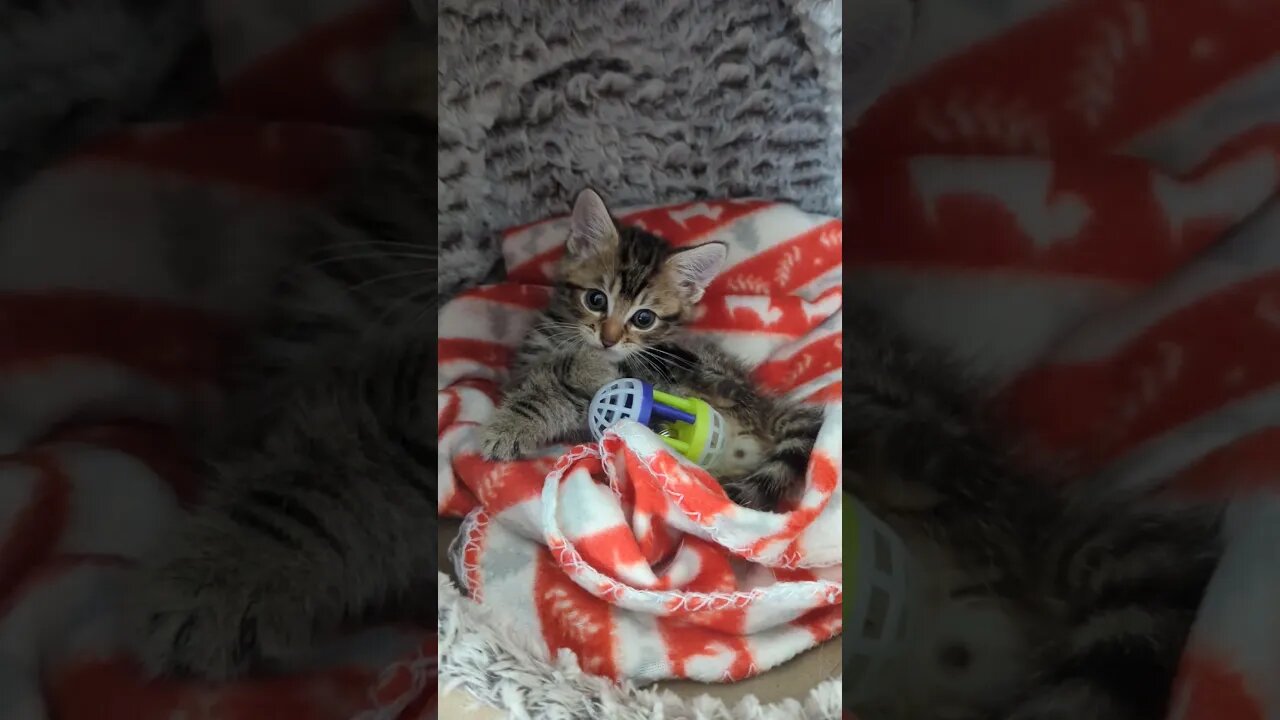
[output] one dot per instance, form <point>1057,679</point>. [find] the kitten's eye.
<point>595,300</point>
<point>643,319</point>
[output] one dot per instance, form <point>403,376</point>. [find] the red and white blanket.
<point>622,552</point>
<point>124,273</point>
<point>1080,198</point>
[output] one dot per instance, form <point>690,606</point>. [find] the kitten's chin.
<point>612,354</point>
<point>617,354</point>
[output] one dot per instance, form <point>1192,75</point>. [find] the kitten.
<point>323,472</point>
<point>1038,605</point>
<point>619,309</point>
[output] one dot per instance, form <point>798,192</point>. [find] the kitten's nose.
<point>610,333</point>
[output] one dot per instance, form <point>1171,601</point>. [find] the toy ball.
<point>877,613</point>
<point>689,425</point>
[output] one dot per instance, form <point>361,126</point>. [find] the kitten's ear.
<point>695,267</point>
<point>590,228</point>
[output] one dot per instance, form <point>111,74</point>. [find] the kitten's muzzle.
<point>610,333</point>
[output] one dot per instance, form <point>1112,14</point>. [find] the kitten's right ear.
<point>590,229</point>
<point>697,266</point>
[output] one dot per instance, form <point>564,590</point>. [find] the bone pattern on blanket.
<point>633,558</point>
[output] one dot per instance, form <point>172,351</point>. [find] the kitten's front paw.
<point>198,615</point>
<point>765,488</point>
<point>506,438</point>
<point>749,494</point>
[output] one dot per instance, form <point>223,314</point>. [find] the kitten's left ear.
<point>695,267</point>
<point>590,227</point>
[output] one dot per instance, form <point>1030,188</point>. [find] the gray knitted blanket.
<point>646,101</point>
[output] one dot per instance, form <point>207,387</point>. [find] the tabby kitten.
<point>619,310</point>
<point>1037,605</point>
<point>322,502</point>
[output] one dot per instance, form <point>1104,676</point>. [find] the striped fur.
<point>1126,578</point>
<point>323,492</point>
<point>574,348</point>
<point>1092,595</point>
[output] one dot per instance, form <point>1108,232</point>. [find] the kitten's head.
<point>623,288</point>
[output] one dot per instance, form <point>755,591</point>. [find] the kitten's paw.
<point>506,438</point>
<point>749,493</point>
<point>199,616</point>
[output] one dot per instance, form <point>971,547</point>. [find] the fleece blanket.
<point>126,271</point>
<point>620,552</point>
<point>1079,198</point>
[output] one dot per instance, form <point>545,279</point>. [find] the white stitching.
<point>470,576</point>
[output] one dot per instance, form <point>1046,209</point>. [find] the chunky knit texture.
<point>649,102</point>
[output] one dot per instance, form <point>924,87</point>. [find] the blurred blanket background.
<point>1079,197</point>
<point>158,158</point>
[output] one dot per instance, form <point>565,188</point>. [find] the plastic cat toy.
<point>879,617</point>
<point>689,425</point>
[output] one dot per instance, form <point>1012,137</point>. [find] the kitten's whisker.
<point>380,243</point>
<point>422,314</point>
<point>668,363</point>
<point>557,329</point>
<point>644,363</point>
<point>643,358</point>
<point>557,343</point>
<point>667,358</point>
<point>667,353</point>
<point>651,366</point>
<point>392,276</point>
<point>549,329</point>
<point>407,299</point>
<point>369,256</point>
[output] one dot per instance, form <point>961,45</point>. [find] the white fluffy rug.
<point>480,655</point>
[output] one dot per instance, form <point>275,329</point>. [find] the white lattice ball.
<point>622,399</point>
<point>878,621</point>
